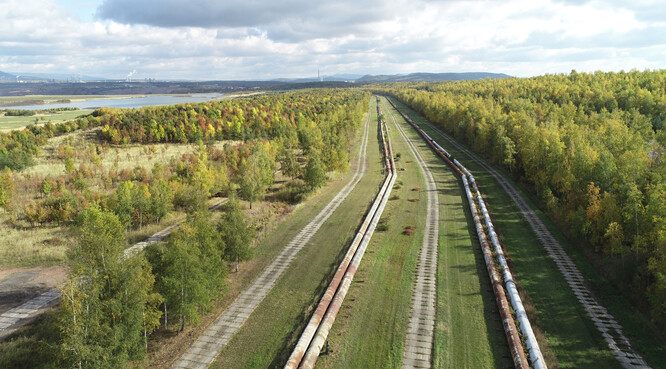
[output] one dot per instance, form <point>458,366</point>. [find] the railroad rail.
<point>473,195</point>
<point>313,338</point>
<point>605,323</point>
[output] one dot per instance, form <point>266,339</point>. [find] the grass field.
<point>569,332</point>
<point>8,123</point>
<point>9,101</point>
<point>29,247</point>
<point>47,164</point>
<point>469,331</point>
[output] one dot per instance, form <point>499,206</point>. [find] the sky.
<point>266,39</point>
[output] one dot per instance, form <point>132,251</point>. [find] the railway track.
<point>24,313</point>
<point>605,323</point>
<point>473,195</point>
<point>422,317</point>
<point>313,338</point>
<point>207,346</point>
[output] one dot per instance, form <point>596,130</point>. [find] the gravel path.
<point>421,326</point>
<point>205,349</point>
<point>606,324</point>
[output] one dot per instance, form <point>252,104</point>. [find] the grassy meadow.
<point>9,101</point>
<point>8,123</point>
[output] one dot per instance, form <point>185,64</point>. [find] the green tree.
<point>141,202</point>
<point>256,173</point>
<point>236,233</point>
<point>315,175</point>
<point>47,187</point>
<point>289,164</point>
<point>189,269</point>
<point>161,199</point>
<point>6,188</point>
<point>122,203</point>
<point>109,305</point>
<point>69,165</point>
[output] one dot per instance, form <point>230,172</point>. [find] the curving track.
<point>421,326</point>
<point>606,324</point>
<point>206,348</point>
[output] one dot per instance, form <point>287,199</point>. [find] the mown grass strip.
<point>469,332</point>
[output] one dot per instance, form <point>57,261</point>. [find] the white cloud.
<point>210,39</point>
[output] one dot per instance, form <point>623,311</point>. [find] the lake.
<point>125,102</point>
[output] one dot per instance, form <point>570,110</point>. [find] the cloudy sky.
<point>263,39</point>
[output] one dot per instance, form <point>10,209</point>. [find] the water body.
<point>125,102</point>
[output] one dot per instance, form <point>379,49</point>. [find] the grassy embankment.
<point>370,330</point>
<point>561,319</point>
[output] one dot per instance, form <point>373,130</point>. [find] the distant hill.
<point>413,77</point>
<point>430,77</point>
<point>56,77</point>
<point>333,78</point>
<point>6,76</point>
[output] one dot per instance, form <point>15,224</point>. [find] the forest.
<point>111,301</point>
<point>589,147</point>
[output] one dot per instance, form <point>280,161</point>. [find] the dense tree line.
<point>264,117</point>
<point>590,146</point>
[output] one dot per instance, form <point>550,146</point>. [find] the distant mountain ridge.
<point>333,78</point>
<point>430,77</point>
<point>6,76</point>
<point>349,78</point>
<point>412,77</point>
